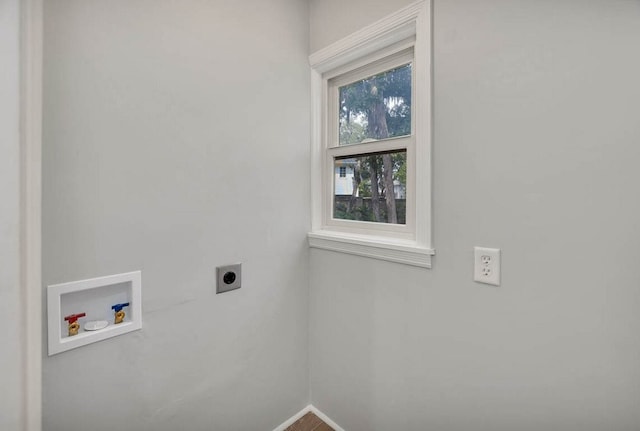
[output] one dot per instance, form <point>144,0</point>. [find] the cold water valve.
<point>119,313</point>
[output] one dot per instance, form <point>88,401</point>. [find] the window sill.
<point>405,252</point>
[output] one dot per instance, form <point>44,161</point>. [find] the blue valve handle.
<point>119,307</point>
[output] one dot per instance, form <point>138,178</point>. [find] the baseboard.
<point>325,418</point>
<point>304,411</point>
<point>293,419</point>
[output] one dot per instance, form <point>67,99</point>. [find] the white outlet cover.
<point>486,266</point>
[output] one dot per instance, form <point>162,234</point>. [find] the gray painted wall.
<point>535,152</point>
<point>10,308</point>
<point>171,129</point>
<point>147,165</point>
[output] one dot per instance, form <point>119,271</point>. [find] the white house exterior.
<point>343,172</point>
<point>343,176</point>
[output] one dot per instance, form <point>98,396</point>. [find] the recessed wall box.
<point>94,297</point>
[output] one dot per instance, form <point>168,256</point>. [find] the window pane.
<point>373,188</point>
<point>377,107</point>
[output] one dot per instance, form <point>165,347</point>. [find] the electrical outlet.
<point>229,277</point>
<point>486,267</point>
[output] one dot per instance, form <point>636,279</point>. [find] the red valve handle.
<point>73,317</point>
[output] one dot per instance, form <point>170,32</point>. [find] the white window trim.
<point>378,40</point>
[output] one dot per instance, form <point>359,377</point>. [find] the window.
<point>371,111</point>
<point>371,141</point>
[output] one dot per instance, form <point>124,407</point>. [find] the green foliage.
<point>392,88</point>
<point>377,107</point>
<point>351,133</point>
<point>360,211</point>
<point>400,167</point>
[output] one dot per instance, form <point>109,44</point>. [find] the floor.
<point>309,422</point>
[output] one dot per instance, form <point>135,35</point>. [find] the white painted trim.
<point>381,34</point>
<point>423,129</point>
<point>411,243</point>
<point>293,419</point>
<point>317,153</point>
<point>310,408</point>
<point>326,419</point>
<point>375,247</point>
<point>31,25</point>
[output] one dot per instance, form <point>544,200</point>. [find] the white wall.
<point>331,20</point>
<point>11,403</point>
<point>167,129</point>
<point>536,152</point>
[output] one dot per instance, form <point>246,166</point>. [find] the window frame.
<point>333,150</point>
<point>373,48</point>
